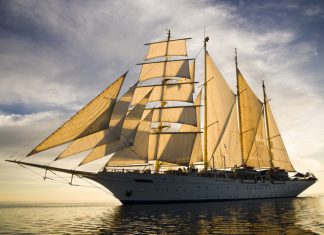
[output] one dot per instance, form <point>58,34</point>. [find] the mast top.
<point>169,34</point>
<point>206,39</point>
<point>236,58</point>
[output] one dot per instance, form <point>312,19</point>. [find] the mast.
<point>205,104</point>
<point>162,103</point>
<point>267,123</point>
<point>239,107</point>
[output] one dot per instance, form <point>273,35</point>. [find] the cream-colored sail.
<point>279,153</point>
<point>171,92</point>
<point>90,119</point>
<point>196,155</point>
<point>138,153</point>
<point>183,114</point>
<point>159,49</point>
<point>228,149</point>
<point>192,69</point>
<point>174,92</point>
<point>259,155</point>
<point>250,112</point>
<point>220,102</point>
<point>127,136</point>
<point>172,68</point>
<point>176,147</point>
<point>109,135</point>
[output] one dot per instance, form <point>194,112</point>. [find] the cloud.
<point>56,56</point>
<point>312,10</point>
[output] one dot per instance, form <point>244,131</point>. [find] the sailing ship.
<point>160,148</point>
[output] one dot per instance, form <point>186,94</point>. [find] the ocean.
<point>302,215</point>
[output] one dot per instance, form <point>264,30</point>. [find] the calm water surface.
<point>303,215</point>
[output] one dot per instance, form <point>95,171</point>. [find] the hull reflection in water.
<point>276,216</point>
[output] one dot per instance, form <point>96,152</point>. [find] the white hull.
<point>133,188</point>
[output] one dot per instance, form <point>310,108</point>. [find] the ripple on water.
<point>289,216</point>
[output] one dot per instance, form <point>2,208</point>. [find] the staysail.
<point>127,135</point>
<point>109,135</point>
<point>138,153</point>
<point>279,153</point>
<point>93,117</point>
<point>222,129</point>
<point>250,113</point>
<point>259,155</point>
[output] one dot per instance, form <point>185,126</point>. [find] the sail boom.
<point>173,107</point>
<point>168,84</point>
<point>176,133</point>
<point>171,40</point>
<point>163,61</point>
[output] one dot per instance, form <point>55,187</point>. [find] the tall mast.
<point>267,123</point>
<point>162,103</point>
<point>239,107</point>
<point>205,104</point>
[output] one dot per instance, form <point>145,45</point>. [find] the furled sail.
<point>259,155</point>
<point>127,135</point>
<point>280,156</point>
<point>109,135</point>
<point>221,118</point>
<point>170,68</point>
<point>250,113</point>
<point>90,119</point>
<point>138,153</point>
<point>167,48</point>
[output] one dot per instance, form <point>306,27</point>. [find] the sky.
<point>55,56</point>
